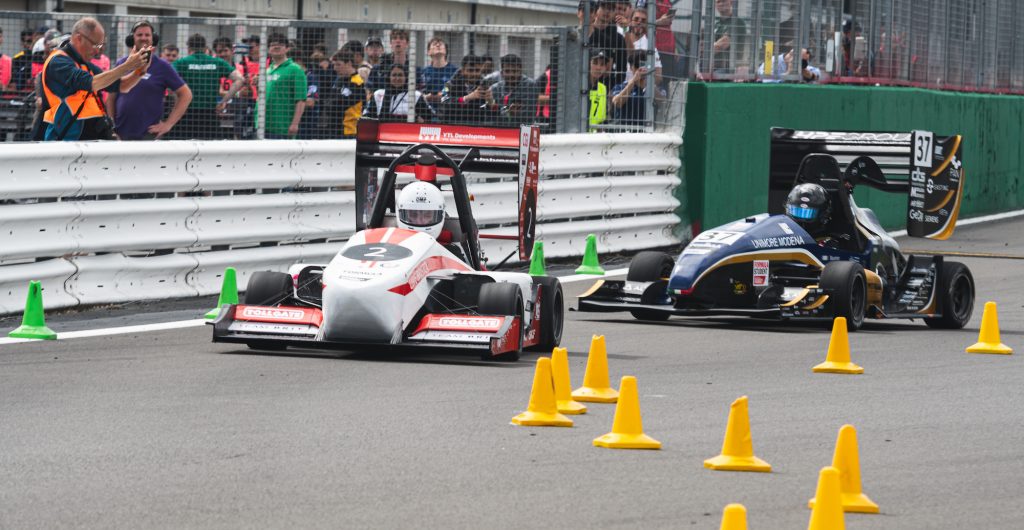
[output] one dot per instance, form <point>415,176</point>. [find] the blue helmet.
<point>809,206</point>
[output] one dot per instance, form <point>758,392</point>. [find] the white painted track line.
<point>564,279</point>
<point>116,331</point>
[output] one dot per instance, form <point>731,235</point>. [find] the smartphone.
<point>672,11</point>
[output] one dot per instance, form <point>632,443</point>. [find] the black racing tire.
<point>649,266</point>
<point>955,294</point>
<point>503,299</point>
<point>845,283</point>
<point>552,313</point>
<point>268,288</point>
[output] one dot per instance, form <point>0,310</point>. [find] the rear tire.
<point>956,296</point>
<point>268,288</point>
<point>846,286</point>
<point>503,299</point>
<point>649,266</point>
<point>552,313</point>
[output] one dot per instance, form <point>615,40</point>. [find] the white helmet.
<point>421,208</point>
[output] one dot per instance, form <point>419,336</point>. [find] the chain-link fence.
<point>623,68</point>
<point>968,45</point>
<point>301,79</point>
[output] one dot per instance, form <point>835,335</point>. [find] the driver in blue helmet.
<point>810,206</point>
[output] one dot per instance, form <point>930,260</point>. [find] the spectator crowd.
<point>211,90</point>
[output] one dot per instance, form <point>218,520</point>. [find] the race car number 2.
<point>377,252</point>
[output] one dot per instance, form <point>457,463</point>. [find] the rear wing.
<point>496,150</point>
<point>928,168</point>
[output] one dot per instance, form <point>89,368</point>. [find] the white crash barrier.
<point>161,166</point>
<point>159,224</point>
<point>39,170</point>
<point>51,274</point>
<point>265,205</point>
<point>226,165</point>
<point>326,163</point>
<point>37,230</point>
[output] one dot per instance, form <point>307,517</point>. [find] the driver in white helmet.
<point>421,208</point>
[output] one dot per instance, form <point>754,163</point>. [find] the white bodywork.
<point>380,279</point>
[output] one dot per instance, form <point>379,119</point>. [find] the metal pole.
<point>652,87</point>
<point>803,37</point>
<point>261,102</point>
<point>946,42</point>
<point>410,82</point>
<point>584,77</point>
<point>696,19</point>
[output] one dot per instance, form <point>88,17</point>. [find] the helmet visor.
<point>805,214</point>
<point>421,217</point>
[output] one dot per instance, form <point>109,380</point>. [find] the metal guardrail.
<point>97,223</point>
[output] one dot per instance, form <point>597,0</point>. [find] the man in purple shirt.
<point>138,114</point>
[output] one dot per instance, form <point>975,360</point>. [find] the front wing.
<point>651,297</point>
<point>300,327</point>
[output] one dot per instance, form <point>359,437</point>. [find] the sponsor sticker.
<point>760,273</point>
<point>274,313</point>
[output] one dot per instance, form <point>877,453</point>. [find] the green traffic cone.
<point>590,263</point>
<point>537,260</point>
<point>33,324</point>
<point>228,292</point>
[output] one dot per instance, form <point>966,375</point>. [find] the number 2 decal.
<point>376,251</point>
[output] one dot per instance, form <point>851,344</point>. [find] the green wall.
<point>726,142</point>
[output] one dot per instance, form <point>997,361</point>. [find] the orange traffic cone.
<point>734,517</point>
<point>627,427</point>
<point>542,411</point>
<point>738,448</point>
<point>563,388</point>
<point>847,460</point>
<point>827,513</point>
<point>596,386</point>
<point>837,361</point>
<point>988,338</point>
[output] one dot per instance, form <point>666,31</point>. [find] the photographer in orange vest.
<point>70,83</point>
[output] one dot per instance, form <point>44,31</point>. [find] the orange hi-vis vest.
<point>90,108</point>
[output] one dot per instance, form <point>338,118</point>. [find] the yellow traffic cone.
<point>988,338</point>
<point>627,427</point>
<point>738,447</point>
<point>827,513</point>
<point>596,386</point>
<point>734,517</point>
<point>847,460</point>
<point>542,411</point>
<point>837,361</point>
<point>563,388</point>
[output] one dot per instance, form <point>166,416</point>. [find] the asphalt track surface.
<point>167,430</point>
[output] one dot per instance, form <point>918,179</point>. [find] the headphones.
<point>130,39</point>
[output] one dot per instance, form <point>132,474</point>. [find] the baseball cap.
<point>374,40</point>
<point>253,39</point>
<point>600,54</point>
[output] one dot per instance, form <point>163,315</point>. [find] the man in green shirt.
<point>286,91</point>
<point>202,74</point>
<point>732,40</point>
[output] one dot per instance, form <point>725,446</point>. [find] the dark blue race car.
<point>772,266</point>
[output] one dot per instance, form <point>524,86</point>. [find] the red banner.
<point>438,134</point>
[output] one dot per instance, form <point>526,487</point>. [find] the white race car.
<point>389,287</point>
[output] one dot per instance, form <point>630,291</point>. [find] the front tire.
<point>503,299</point>
<point>845,284</point>
<point>955,293</point>
<point>268,288</point>
<point>552,313</point>
<point>649,266</point>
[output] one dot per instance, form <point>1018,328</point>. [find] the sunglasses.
<point>96,46</point>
